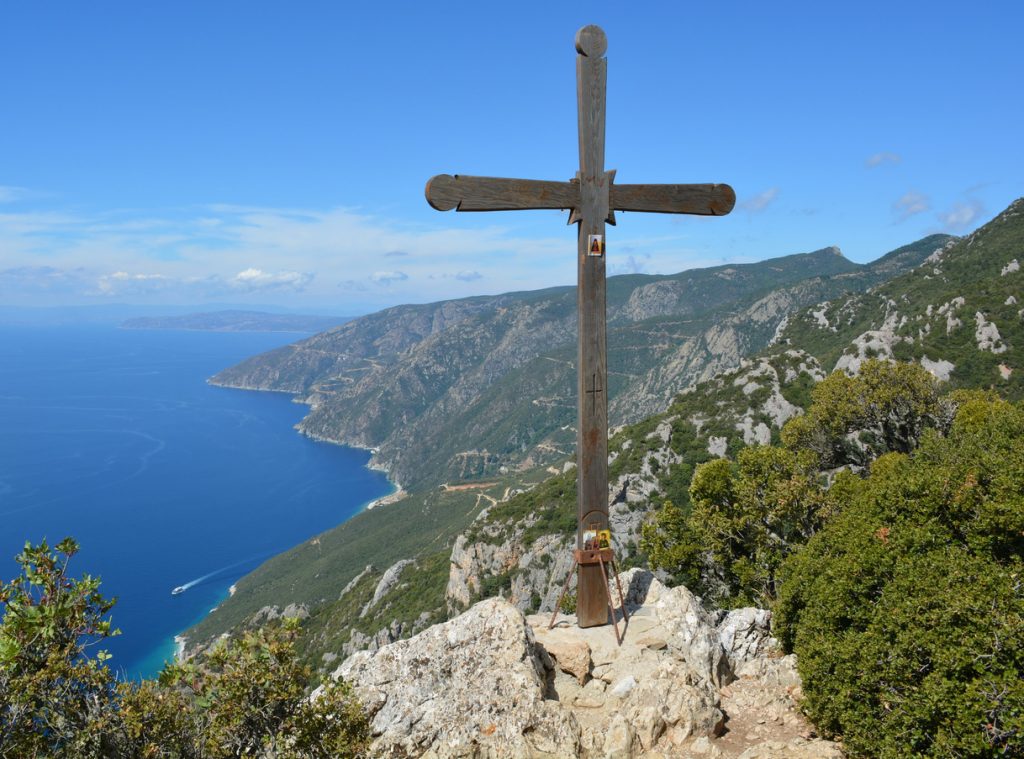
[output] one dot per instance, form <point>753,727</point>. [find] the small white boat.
<point>177,590</point>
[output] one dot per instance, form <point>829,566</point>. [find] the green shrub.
<point>249,697</point>
<point>906,611</point>
<point>745,519</point>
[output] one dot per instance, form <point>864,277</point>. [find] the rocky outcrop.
<point>387,581</point>
<point>474,686</point>
<point>745,634</point>
<point>491,683</point>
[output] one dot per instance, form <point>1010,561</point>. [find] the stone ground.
<point>684,683</point>
<point>760,718</point>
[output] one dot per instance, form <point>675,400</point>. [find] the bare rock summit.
<point>684,682</point>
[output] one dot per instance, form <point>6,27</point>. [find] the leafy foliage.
<point>853,420</point>
<point>53,697</point>
<point>906,611</point>
<point>746,517</point>
<point>247,698</point>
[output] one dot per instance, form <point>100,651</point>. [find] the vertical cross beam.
<point>592,351</point>
<point>593,198</point>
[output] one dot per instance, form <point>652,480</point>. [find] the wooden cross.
<point>593,199</point>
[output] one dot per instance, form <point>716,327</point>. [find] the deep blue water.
<point>113,437</point>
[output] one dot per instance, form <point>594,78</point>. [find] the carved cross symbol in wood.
<point>592,391</point>
<point>593,199</point>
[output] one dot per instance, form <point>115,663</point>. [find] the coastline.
<point>386,500</point>
<point>393,497</point>
<point>397,493</point>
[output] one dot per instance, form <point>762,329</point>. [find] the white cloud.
<point>256,279</point>
<point>260,255</point>
<point>880,158</point>
<point>121,282</point>
<point>760,201</point>
<point>910,204</point>
<point>961,215</point>
<point>388,277</point>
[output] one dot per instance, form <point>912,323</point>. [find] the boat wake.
<point>192,583</point>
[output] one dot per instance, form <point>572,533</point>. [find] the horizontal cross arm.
<point>698,199</point>
<point>464,193</point>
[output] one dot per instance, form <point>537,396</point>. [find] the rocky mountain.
<point>957,314</point>
<point>478,387</point>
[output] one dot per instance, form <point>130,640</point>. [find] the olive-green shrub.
<point>906,611</point>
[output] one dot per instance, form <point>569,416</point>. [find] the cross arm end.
<point>441,192</point>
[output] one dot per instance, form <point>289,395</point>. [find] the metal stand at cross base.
<point>589,557</point>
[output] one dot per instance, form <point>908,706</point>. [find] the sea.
<point>113,437</point>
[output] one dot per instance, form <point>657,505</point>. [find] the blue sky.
<point>256,152</point>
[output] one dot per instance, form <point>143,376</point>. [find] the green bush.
<point>54,699</point>
<point>745,519</point>
<point>906,611</point>
<point>853,420</point>
<point>249,697</point>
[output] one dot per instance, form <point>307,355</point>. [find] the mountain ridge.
<point>409,381</point>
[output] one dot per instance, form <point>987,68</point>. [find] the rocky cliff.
<point>508,548</point>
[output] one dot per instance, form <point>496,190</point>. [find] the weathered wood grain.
<point>591,41</point>
<point>695,199</point>
<point>466,193</point>
<point>592,359</point>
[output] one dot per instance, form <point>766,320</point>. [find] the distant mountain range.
<point>480,387</point>
<point>238,321</point>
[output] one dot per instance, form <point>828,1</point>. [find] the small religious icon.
<point>589,540</point>
<point>604,538</point>
<point>595,245</point>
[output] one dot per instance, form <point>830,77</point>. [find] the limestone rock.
<point>641,587</point>
<point>387,581</point>
<point>571,654</point>
<point>473,686</point>
<point>692,634</point>
<point>746,634</point>
<point>618,742</point>
<point>670,699</point>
